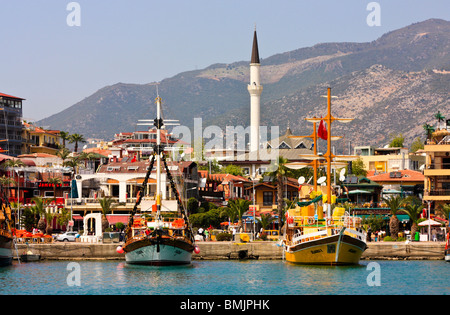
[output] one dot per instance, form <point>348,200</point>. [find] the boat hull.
<point>330,250</point>
<point>159,252</point>
<point>6,252</point>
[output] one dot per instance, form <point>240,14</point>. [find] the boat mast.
<point>158,150</point>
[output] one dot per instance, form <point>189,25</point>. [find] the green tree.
<point>428,130</point>
<point>279,174</point>
<point>64,136</point>
<point>416,145</point>
<point>38,210</point>
<point>439,118</point>
<point>265,220</point>
<point>394,203</point>
<point>397,141</point>
<point>76,138</point>
<point>239,207</point>
<point>413,207</point>
<point>107,205</point>
<point>232,170</point>
<point>358,167</point>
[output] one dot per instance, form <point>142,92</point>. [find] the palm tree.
<point>106,204</point>
<point>76,138</point>
<point>279,174</point>
<point>38,209</point>
<point>64,136</point>
<point>440,118</point>
<point>413,207</point>
<point>394,203</point>
<point>239,207</point>
<point>428,130</point>
<point>63,154</point>
<point>54,181</point>
<point>265,220</point>
<point>73,163</point>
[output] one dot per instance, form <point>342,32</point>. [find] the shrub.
<point>388,239</point>
<point>224,237</point>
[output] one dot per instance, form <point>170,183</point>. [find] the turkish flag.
<point>322,132</point>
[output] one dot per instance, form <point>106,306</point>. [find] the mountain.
<point>390,85</point>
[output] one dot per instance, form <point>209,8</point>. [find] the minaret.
<point>255,89</point>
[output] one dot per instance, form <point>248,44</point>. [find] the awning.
<point>116,218</point>
<point>77,217</point>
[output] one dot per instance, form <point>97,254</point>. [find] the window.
<point>283,145</point>
<point>267,198</point>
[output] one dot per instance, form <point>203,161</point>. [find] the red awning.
<point>77,217</point>
<point>116,218</point>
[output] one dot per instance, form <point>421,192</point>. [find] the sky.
<point>54,65</point>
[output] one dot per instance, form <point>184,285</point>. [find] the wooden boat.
<point>155,240</point>
<point>447,248</point>
<point>6,237</point>
<point>336,241</point>
<point>313,234</point>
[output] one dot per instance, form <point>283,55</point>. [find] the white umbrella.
<point>430,223</point>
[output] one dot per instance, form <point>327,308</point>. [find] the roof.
<point>255,51</point>
<point>37,155</point>
<point>10,96</point>
<point>292,143</point>
<point>222,177</point>
<point>404,176</point>
<point>266,155</point>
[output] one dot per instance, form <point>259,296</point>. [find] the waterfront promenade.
<point>231,250</point>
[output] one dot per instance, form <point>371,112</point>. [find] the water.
<point>253,277</point>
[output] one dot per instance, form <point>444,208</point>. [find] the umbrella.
<point>429,223</point>
<point>358,192</point>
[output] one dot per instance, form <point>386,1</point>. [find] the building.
<point>404,182</point>
<point>386,160</point>
<point>122,180</point>
<point>437,169</point>
<point>11,124</point>
<point>256,164</point>
<point>140,143</point>
<point>40,140</point>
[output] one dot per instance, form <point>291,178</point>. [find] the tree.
<point>439,118</point>
<point>428,131</point>
<point>265,220</point>
<point>106,204</point>
<point>239,207</point>
<point>416,145</point>
<point>55,181</point>
<point>394,203</point>
<point>358,167</point>
<point>64,136</point>
<point>76,138</point>
<point>232,170</point>
<point>38,209</point>
<point>63,154</point>
<point>279,174</point>
<point>413,207</point>
<point>397,141</point>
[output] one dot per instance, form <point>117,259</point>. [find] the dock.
<point>231,250</point>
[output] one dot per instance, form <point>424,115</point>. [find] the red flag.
<point>322,132</point>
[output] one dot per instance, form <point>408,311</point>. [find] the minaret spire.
<point>255,51</point>
<point>255,89</point>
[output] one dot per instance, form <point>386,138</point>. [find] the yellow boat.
<point>313,235</point>
<point>339,240</point>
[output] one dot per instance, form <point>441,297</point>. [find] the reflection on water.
<point>225,278</point>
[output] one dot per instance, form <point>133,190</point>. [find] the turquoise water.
<point>252,277</point>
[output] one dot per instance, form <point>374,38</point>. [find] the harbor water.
<point>231,277</point>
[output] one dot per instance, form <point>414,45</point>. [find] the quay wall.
<point>229,250</point>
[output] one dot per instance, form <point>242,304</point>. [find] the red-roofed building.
<point>407,182</point>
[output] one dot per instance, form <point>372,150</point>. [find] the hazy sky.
<point>54,66</point>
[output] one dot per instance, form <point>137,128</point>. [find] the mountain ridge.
<point>219,94</point>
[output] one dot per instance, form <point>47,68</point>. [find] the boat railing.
<point>341,221</point>
<point>357,234</point>
<point>300,237</point>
